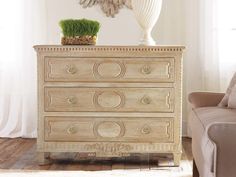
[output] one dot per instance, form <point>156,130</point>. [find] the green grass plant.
<point>79,27</point>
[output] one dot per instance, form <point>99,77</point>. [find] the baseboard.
<point>185,128</point>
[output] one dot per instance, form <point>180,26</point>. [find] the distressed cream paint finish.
<point>85,106</point>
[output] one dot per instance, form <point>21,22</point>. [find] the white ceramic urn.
<point>147,13</point>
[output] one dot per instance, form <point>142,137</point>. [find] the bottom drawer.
<point>83,129</point>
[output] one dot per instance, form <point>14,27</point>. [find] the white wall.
<point>176,26</point>
<point>122,30</point>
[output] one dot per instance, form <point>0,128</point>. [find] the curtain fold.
<point>227,41</point>
<point>208,44</point>
<point>23,24</point>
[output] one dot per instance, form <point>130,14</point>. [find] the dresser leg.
<point>177,159</point>
<point>43,158</point>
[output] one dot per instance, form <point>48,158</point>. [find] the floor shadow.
<point>70,161</point>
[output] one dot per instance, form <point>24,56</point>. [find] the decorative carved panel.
<point>109,129</point>
<point>109,99</point>
<point>115,149</point>
<point>109,69</point>
<point>109,7</point>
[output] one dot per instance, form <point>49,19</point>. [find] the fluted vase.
<point>147,13</point>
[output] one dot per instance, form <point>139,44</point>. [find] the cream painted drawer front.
<point>109,69</point>
<point>109,99</point>
<point>109,129</point>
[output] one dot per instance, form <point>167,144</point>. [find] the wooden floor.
<point>21,154</point>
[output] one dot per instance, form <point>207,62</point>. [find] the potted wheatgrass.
<point>79,31</point>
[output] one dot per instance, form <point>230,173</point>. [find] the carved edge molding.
<point>85,147</point>
<point>48,98</point>
<point>47,70</point>
<point>48,128</point>
<point>42,48</point>
<point>169,68</point>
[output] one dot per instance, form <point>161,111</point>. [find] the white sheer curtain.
<point>215,46</point>
<point>217,43</point>
<point>22,25</point>
<point>227,40</point>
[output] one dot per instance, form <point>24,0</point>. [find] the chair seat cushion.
<point>209,115</point>
<point>202,119</point>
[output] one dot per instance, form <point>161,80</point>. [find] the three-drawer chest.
<point>109,101</point>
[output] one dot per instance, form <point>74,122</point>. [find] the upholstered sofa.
<point>213,136</point>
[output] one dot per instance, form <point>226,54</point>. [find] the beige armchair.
<point>213,136</point>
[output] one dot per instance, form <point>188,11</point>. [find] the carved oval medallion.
<point>109,69</point>
<point>109,129</point>
<point>109,99</point>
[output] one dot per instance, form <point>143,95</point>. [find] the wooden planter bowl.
<point>79,40</point>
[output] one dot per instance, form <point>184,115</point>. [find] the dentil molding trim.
<point>106,48</point>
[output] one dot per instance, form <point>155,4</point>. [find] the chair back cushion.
<point>225,100</point>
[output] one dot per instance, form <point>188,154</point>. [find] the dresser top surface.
<point>162,48</point>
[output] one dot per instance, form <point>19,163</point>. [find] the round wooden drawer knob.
<point>72,130</point>
<point>146,130</point>
<point>72,70</point>
<point>72,100</point>
<point>146,69</point>
<point>146,100</point>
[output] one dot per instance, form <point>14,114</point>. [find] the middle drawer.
<point>109,99</point>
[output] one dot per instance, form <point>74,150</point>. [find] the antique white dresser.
<point>109,100</point>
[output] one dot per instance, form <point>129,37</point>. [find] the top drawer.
<point>109,69</point>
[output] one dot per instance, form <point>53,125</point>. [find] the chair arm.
<point>223,136</point>
<point>205,99</point>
